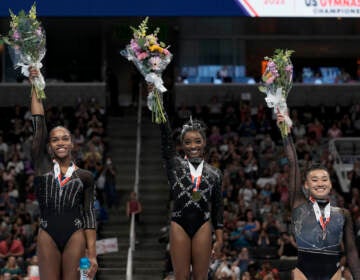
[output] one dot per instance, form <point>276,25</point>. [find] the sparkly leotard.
<point>63,209</point>
<point>190,214</point>
<point>319,251</point>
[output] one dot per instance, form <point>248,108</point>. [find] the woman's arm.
<point>38,149</point>
<point>295,191</point>
<point>351,252</point>
<point>217,211</point>
<point>89,219</point>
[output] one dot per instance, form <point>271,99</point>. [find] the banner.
<point>107,245</point>
<point>300,8</point>
<point>253,8</point>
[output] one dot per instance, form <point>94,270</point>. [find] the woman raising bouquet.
<point>65,194</point>
<point>195,188</point>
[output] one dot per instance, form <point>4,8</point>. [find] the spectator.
<point>334,131</point>
<point>110,184</point>
<point>215,137</point>
<point>33,269</point>
<point>243,260</point>
<point>237,237</point>
<point>11,246</point>
<point>252,227</point>
<point>268,272</point>
<point>12,268</point>
<point>133,206</point>
<point>287,247</point>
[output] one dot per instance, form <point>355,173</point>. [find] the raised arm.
<point>297,196</point>
<point>38,150</point>
<point>352,256</point>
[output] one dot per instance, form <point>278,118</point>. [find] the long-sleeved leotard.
<point>63,209</point>
<point>186,212</point>
<point>318,251</point>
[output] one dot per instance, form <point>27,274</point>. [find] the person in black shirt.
<point>195,188</point>
<point>65,194</point>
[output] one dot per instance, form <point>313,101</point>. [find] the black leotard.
<point>190,214</point>
<point>318,252</point>
<point>63,210</point>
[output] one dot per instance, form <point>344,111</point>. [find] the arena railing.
<point>129,266</point>
<point>345,150</point>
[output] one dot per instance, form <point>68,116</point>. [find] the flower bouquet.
<point>27,41</point>
<point>277,82</point>
<point>151,58</point>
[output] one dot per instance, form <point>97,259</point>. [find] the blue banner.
<point>114,8</point>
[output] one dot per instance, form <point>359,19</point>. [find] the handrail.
<point>339,165</point>
<point>129,265</point>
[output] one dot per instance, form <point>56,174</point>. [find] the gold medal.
<point>196,195</point>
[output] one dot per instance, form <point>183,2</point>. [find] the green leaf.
<point>262,89</point>
<point>141,42</point>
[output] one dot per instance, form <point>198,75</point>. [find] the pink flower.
<point>166,52</point>
<point>134,46</point>
<point>155,63</point>
<point>270,80</point>
<point>289,68</point>
<point>16,35</point>
<point>142,56</point>
<point>38,32</point>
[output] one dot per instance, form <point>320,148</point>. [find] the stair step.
<point>149,254</point>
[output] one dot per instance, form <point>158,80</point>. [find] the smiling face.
<point>60,143</point>
<point>318,183</point>
<point>193,144</point>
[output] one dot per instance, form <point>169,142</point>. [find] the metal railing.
<point>345,151</point>
<point>129,265</point>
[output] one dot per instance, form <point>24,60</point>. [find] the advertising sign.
<point>300,8</point>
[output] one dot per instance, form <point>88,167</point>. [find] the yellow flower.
<point>32,12</point>
<point>151,39</point>
<point>155,48</point>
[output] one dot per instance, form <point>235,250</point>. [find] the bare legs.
<point>201,252</point>
<point>53,264</point>
<point>49,257</point>
<point>185,251</point>
<point>74,250</point>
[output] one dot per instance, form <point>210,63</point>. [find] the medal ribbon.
<point>318,214</point>
<point>67,176</point>
<point>196,175</point>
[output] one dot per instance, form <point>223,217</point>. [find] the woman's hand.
<point>150,87</point>
<point>33,73</point>
<point>216,251</point>
<point>280,118</point>
<point>93,268</point>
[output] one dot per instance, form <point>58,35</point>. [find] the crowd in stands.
<point>245,143</point>
<point>18,206</point>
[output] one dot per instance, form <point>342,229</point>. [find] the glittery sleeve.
<point>39,155</point>
<point>88,211</point>
<point>168,151</point>
<point>352,256</point>
<point>217,209</point>
<point>295,190</point>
